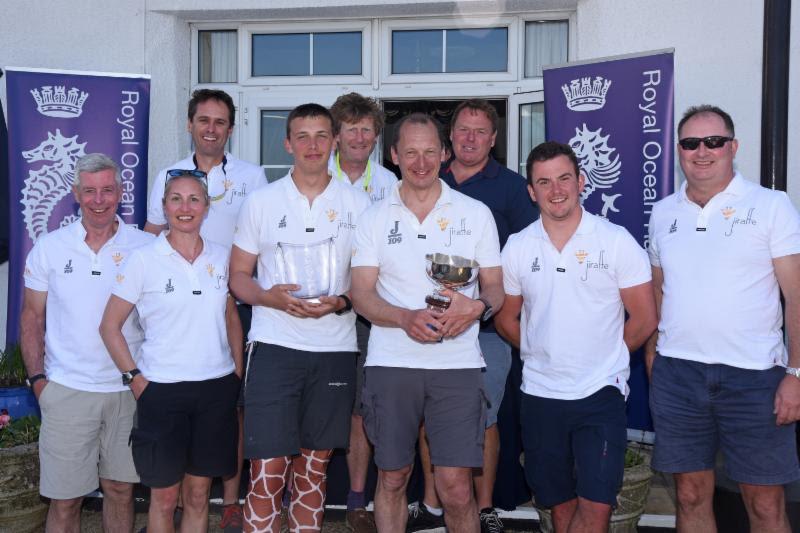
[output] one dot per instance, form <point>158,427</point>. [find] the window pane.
<point>282,54</point>
<point>477,50</point>
<point>337,53</point>
<point>531,131</point>
<point>415,51</point>
<point>217,56</point>
<point>275,160</point>
<point>545,44</point>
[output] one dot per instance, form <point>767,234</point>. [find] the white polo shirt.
<point>378,179</point>
<point>572,314</point>
<point>78,283</point>
<point>280,213</point>
<point>721,299</point>
<point>390,237</point>
<point>229,183</point>
<point>182,311</point>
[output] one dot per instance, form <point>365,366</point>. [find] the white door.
<point>526,127</point>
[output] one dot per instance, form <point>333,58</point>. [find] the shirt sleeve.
<point>36,267</point>
<point>129,284</point>
<point>632,267</point>
<point>246,233</point>
<point>652,245</point>
<point>487,249</point>
<point>365,249</point>
<point>511,283</point>
<point>155,206</point>
<point>784,235</point>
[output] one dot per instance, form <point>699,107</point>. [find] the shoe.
<point>231,518</point>
<point>360,521</point>
<point>420,519</point>
<point>490,522</point>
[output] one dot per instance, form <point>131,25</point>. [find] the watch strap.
<point>33,379</point>
<point>348,305</point>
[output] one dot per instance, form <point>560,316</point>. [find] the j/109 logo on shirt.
<point>394,236</point>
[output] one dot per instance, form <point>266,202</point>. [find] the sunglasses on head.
<point>178,172</point>
<point>711,142</point>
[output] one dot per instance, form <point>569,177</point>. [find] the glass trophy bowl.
<point>311,266</point>
<point>448,272</point>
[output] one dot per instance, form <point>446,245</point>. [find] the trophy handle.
<point>280,268</point>
<point>332,271</point>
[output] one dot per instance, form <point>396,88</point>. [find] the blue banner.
<point>54,118</point>
<point>617,114</point>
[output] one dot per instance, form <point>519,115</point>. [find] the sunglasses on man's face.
<point>178,172</point>
<point>711,142</point>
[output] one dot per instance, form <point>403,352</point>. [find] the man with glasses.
<point>211,117</point>
<point>723,249</point>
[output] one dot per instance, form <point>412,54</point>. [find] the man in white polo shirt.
<point>723,250</point>
<point>424,364</point>
<point>573,275</point>
<point>300,381</point>
<point>87,411</point>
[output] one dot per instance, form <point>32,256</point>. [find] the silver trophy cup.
<point>448,272</point>
<point>312,266</point>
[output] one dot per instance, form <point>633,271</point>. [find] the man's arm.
<point>418,324</point>
<point>507,320</point>
<point>32,325</point>
<point>787,398</point>
<point>233,328</point>
<point>642,318</point>
<point>155,229</point>
<point>116,313</point>
<point>650,345</point>
<point>464,311</point>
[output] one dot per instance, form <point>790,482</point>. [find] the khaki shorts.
<point>84,437</point>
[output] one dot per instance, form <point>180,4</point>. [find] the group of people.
<point>135,343</point>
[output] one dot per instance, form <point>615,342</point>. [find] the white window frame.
<point>246,32</point>
<point>195,52</point>
<point>572,32</point>
<point>387,26</point>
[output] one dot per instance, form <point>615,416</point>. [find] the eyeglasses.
<point>711,142</point>
<point>178,172</point>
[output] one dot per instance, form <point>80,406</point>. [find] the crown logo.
<point>117,257</point>
<point>727,212</point>
<point>331,214</point>
<point>585,94</point>
<point>210,269</point>
<point>53,101</point>
<point>120,278</point>
<point>443,222</point>
<point>581,255</point>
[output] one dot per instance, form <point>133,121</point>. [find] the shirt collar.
<point>490,170</point>
<point>226,160</point>
<point>586,226</point>
<point>163,247</point>
<point>80,231</point>
<point>736,187</point>
<point>294,193</point>
<point>445,197</point>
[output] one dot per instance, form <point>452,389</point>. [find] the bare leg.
<point>766,508</point>
<point>308,493</point>
<point>391,511</point>
<point>430,498</point>
<point>454,486</point>
<point>117,506</point>
<point>195,503</point>
<point>484,478</point>
<point>358,454</point>
<point>162,506</point>
<point>262,509</point>
<point>64,516</point>
<point>590,517</point>
<point>695,495</point>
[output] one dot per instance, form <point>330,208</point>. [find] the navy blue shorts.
<point>574,447</point>
<point>699,408</point>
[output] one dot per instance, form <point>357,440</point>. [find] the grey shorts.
<point>84,437</point>
<point>497,355</point>
<point>699,408</point>
<point>451,402</point>
<point>295,399</point>
<point>362,338</point>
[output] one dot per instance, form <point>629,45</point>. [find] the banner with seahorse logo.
<point>617,115</point>
<point>54,118</point>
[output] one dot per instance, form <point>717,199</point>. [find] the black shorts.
<point>189,427</point>
<point>295,399</point>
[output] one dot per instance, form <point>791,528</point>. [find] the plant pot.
<point>21,508</point>
<point>631,499</point>
<point>19,401</point>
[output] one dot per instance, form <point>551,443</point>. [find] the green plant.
<point>12,367</point>
<point>23,430</point>
<point>634,455</point>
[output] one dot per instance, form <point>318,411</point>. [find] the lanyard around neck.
<point>367,179</point>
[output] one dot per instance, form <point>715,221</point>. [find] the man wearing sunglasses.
<point>723,249</point>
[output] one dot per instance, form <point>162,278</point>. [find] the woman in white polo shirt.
<point>187,380</point>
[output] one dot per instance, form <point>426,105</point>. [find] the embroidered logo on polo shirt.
<point>443,223</point>
<point>581,255</point>
<point>460,232</point>
<point>117,258</point>
<point>535,265</point>
<point>68,267</point>
<point>727,212</point>
<point>394,236</point>
<point>282,223</point>
<point>331,215</point>
<point>169,287</point>
<point>600,264</point>
<point>227,184</point>
<point>120,278</point>
<point>347,223</point>
<point>28,271</point>
<point>210,269</point>
<point>674,226</point>
<point>746,221</point>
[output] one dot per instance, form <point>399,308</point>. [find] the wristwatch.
<point>487,311</point>
<point>793,371</point>
<point>128,376</point>
<point>33,379</point>
<point>348,305</point>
